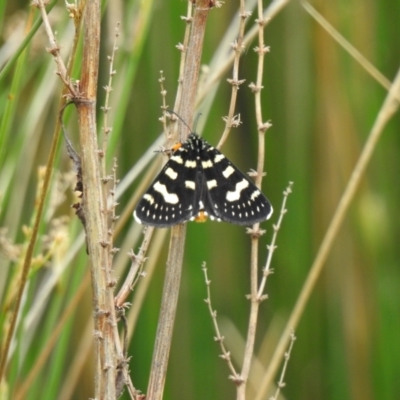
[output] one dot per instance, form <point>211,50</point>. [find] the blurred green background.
<point>322,104</point>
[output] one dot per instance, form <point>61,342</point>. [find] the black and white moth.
<point>198,182</point>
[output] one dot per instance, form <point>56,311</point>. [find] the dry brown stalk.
<point>178,233</point>
<point>94,209</point>
<point>255,232</point>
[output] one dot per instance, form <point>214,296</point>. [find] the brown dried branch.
<point>169,300</point>
<point>54,49</point>
<point>271,248</point>
<point>215,76</point>
<point>281,384</point>
<point>235,377</point>
<point>255,300</point>
<point>137,261</point>
<point>105,325</point>
<point>231,120</point>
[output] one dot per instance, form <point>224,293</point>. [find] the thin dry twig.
<point>272,247</point>
<point>235,377</point>
<point>164,106</point>
<point>54,49</point>
<point>215,76</point>
<point>106,108</point>
<point>137,262</point>
<point>255,232</point>
<point>281,384</point>
<point>232,121</point>
<point>183,48</point>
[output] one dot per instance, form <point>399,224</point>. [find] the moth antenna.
<point>184,122</point>
<point>196,121</point>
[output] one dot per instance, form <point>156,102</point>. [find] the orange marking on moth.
<point>177,146</point>
<point>201,217</point>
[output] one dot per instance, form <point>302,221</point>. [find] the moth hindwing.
<point>199,181</point>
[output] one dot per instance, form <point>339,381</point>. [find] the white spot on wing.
<point>171,198</point>
<point>211,184</point>
<point>255,194</point>
<point>190,185</point>
<point>190,164</point>
<point>235,195</point>
<point>171,173</point>
<point>207,164</point>
<point>177,159</point>
<point>228,171</point>
<point>201,205</point>
<point>218,158</point>
<point>149,198</point>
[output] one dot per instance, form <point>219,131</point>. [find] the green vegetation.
<point>322,102</point>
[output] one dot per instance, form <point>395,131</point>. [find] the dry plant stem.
<point>54,50</point>
<point>192,65</point>
<point>164,107</point>
<point>94,210</point>
<point>219,338</point>
<point>122,361</point>
<point>235,82</point>
<point>281,383</point>
<point>175,257</point>
<point>183,48</point>
<point>256,232</point>
<point>107,108</point>
<point>272,247</point>
<point>389,107</point>
<point>111,204</point>
<point>166,319</point>
<point>137,261</point>
<point>270,12</point>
